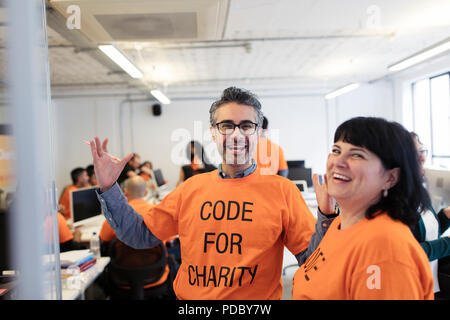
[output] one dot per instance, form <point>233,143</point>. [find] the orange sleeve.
<point>162,219</point>
<point>298,221</point>
<point>107,233</point>
<point>63,229</point>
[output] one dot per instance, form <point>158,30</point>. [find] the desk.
<point>91,227</point>
<point>84,280</point>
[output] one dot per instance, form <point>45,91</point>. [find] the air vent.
<point>106,21</point>
<point>138,27</point>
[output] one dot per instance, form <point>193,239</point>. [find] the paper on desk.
<point>75,257</point>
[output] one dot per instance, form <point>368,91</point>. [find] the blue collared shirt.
<point>242,174</point>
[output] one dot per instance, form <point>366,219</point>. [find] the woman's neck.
<point>351,214</point>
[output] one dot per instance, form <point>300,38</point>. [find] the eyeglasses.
<point>247,128</point>
<point>423,152</point>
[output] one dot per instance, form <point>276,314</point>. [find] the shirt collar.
<point>242,174</point>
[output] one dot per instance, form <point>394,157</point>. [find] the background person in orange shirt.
<point>369,251</point>
<point>135,189</point>
<point>269,155</point>
<point>80,179</point>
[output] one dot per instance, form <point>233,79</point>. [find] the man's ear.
<point>213,133</point>
<point>393,177</point>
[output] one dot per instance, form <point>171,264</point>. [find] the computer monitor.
<point>296,163</point>
<point>438,185</point>
<point>159,177</point>
<point>302,185</point>
<point>85,206</point>
<point>301,174</point>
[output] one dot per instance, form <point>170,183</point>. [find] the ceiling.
<point>309,45</point>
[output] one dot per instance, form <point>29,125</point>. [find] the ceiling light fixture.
<point>342,90</point>
<point>161,97</point>
<point>421,56</point>
<point>115,55</point>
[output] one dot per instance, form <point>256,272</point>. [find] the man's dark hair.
<point>240,96</point>
<point>75,173</point>
<point>394,146</point>
<point>90,170</point>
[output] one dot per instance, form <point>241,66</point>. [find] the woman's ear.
<point>393,175</point>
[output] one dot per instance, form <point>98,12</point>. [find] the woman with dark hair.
<point>431,226</point>
<point>368,251</point>
<point>199,162</point>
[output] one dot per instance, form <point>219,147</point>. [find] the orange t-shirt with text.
<point>375,259</point>
<point>269,157</point>
<point>232,234</point>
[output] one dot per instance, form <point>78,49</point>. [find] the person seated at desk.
<point>135,189</point>
<point>269,155</point>
<point>92,177</point>
<point>80,179</point>
<point>68,241</point>
<point>130,169</point>
<point>146,172</point>
<point>199,162</point>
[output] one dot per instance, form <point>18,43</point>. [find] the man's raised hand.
<point>107,169</point>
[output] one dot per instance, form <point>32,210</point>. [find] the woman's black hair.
<point>198,151</point>
<point>394,146</point>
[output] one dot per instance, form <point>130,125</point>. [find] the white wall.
<point>304,126</point>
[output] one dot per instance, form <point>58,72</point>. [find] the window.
<point>431,117</point>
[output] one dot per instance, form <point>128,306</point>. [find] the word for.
<point>214,276</point>
<point>223,242</point>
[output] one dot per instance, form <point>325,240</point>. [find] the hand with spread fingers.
<point>107,170</point>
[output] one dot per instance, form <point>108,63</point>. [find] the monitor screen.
<point>301,174</point>
<point>438,185</point>
<point>159,177</point>
<point>296,163</point>
<point>85,204</point>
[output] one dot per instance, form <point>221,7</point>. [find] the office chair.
<point>131,269</point>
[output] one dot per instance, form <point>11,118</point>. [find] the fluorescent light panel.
<point>341,91</point>
<point>160,96</point>
<point>117,56</point>
<point>420,57</point>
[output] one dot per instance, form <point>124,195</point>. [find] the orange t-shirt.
<point>65,201</point>
<point>373,259</point>
<point>107,234</point>
<point>64,232</point>
<point>269,157</point>
<point>232,234</point>
<point>141,206</point>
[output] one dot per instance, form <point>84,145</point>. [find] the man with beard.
<point>233,223</point>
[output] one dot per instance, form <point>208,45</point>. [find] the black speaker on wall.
<point>156,109</point>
